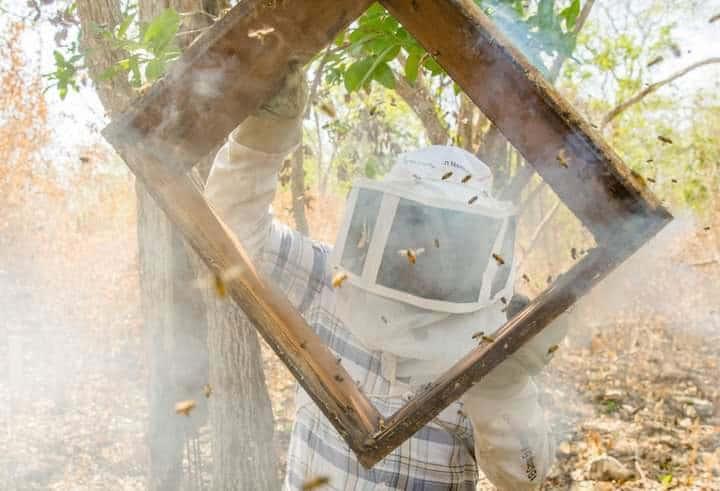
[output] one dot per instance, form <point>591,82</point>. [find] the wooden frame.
<point>222,79</point>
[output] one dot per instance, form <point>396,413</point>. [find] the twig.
<point>579,23</point>
<point>538,231</point>
<point>617,110</point>
<point>638,468</point>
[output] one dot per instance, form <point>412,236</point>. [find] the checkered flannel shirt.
<point>438,457</point>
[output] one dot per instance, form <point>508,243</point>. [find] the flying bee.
<point>665,139</point>
<point>472,200</point>
<point>184,407</point>
<point>437,243</point>
<point>328,109</point>
<point>498,258</point>
<point>466,178</point>
<point>478,335</point>
<point>315,483</point>
<point>562,158</point>
<point>707,229</point>
<point>207,390</point>
<point>447,176</point>
<point>488,339</point>
<point>552,349</point>
<point>339,278</point>
<point>650,179</point>
<point>219,286</point>
<point>573,253</point>
<point>411,254</point>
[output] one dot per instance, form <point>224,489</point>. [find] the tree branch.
<point>423,106</point>
<point>617,110</point>
<point>579,23</point>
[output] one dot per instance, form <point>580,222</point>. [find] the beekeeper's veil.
<point>429,256</point>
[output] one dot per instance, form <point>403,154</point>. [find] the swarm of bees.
<point>339,278</point>
<point>411,254</point>
<point>185,407</point>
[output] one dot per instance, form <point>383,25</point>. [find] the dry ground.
<point>72,389</point>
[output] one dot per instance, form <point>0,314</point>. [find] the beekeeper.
<point>423,260</point>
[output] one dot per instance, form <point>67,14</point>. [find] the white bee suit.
<point>425,334</point>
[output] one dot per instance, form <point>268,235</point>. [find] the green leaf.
<point>161,31</point>
<point>154,69</point>
<point>355,74</point>
<point>412,67</point>
<point>570,14</point>
<point>433,66</point>
<point>384,75</point>
<point>124,25</point>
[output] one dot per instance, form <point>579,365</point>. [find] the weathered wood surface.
<point>229,72</point>
<point>182,119</point>
<point>596,185</point>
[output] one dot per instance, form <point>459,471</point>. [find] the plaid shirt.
<point>438,457</point>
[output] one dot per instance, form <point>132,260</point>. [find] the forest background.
<point>93,372</point>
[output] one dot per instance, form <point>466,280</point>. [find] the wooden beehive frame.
<point>230,71</point>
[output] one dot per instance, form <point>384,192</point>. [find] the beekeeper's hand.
<point>514,445</point>
<point>276,127</point>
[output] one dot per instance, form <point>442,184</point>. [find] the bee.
<point>315,483</point>
<point>707,229</point>
<point>184,407</point>
<point>498,258</point>
<point>339,378</point>
<point>675,50</point>
<point>328,109</point>
<point>219,286</point>
<point>437,243</point>
<point>466,178</point>
<point>562,158</point>
<point>381,424</point>
<point>665,139</point>
<point>384,319</point>
<point>447,176</point>
<point>649,161</point>
<point>478,335</point>
<point>207,390</point>
<point>674,181</point>
<point>503,300</point>
<point>526,278</point>
<point>339,278</point>
<point>549,279</point>
<point>552,349</point>
<point>472,200</point>
<point>655,61</point>
<point>639,178</point>
<point>650,179</point>
<point>411,254</point>
<point>488,339</point>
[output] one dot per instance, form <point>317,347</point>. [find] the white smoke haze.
<point>636,378</point>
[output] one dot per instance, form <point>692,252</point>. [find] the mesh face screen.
<point>452,250</point>
<point>362,226</point>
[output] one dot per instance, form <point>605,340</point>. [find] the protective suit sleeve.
<point>241,187</point>
<point>514,445</point>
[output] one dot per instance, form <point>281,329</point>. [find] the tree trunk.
<point>297,190</point>
<point>175,321</point>
<point>240,411</point>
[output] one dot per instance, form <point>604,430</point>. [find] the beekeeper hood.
<point>427,247</point>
